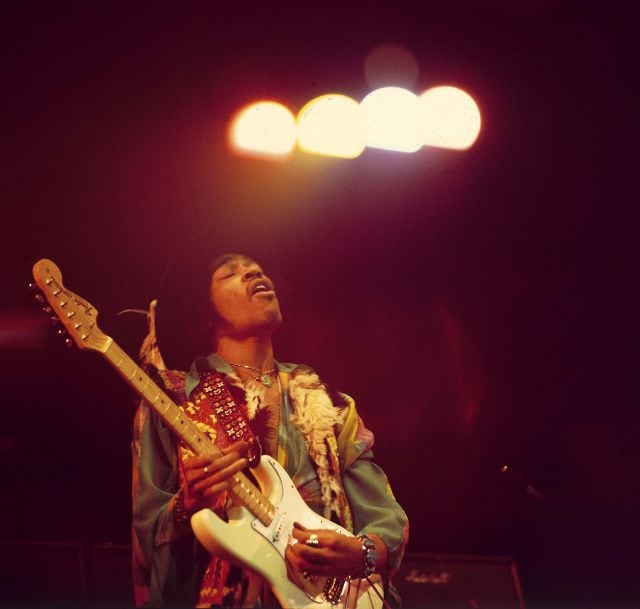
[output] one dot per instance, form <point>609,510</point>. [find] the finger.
<point>313,557</point>
<point>309,556</point>
<point>215,489</point>
<point>314,538</point>
<point>206,498</point>
<point>240,447</point>
<point>198,461</point>
<point>207,468</point>
<point>300,532</point>
<point>292,563</point>
<point>298,561</point>
<point>219,475</point>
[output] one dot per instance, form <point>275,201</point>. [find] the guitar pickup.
<point>278,528</point>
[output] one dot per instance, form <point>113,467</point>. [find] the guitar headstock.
<point>78,316</point>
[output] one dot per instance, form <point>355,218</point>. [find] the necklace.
<point>263,377</point>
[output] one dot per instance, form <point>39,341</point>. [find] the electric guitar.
<point>261,518</point>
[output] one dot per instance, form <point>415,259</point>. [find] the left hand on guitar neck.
<point>335,555</point>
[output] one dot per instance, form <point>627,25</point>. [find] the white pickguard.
<point>245,540</point>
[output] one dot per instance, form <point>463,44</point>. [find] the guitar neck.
<point>243,489</point>
<point>171,414</point>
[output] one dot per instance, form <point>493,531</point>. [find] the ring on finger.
<point>206,469</point>
<point>313,541</point>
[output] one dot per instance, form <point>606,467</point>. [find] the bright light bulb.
<point>263,128</point>
<point>331,125</point>
<point>393,120</point>
<point>452,118</point>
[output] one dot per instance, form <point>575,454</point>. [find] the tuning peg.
<point>54,320</point>
<point>47,309</point>
<point>33,286</point>
<point>39,298</point>
<point>61,332</point>
<point>68,343</point>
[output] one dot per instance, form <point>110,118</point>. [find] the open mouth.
<point>261,286</point>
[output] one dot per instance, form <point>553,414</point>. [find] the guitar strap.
<point>213,391</point>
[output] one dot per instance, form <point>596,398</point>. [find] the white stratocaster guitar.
<point>261,519</point>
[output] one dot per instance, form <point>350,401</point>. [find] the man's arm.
<point>162,540</point>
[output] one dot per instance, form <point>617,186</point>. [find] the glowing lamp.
<point>263,128</point>
<point>452,118</point>
<point>393,120</point>
<point>331,125</point>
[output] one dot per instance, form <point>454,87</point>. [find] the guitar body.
<point>246,541</point>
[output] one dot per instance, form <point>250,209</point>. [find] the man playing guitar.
<point>246,401</point>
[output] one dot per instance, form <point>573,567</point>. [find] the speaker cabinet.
<point>445,581</point>
<point>110,575</point>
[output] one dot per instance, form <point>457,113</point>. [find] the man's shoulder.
<point>304,377</point>
<point>291,368</point>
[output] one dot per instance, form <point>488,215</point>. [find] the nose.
<point>252,272</point>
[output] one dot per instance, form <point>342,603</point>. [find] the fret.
<point>112,356</point>
<point>172,418</point>
<point>161,405</point>
<point>145,380</point>
<point>152,398</point>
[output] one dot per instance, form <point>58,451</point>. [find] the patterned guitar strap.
<point>213,393</point>
<point>215,408</point>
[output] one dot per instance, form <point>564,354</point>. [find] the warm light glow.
<point>264,128</point>
<point>22,330</point>
<point>392,120</point>
<point>331,125</point>
<point>452,118</point>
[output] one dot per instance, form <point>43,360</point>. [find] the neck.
<point>253,351</point>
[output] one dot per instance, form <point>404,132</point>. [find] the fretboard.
<point>171,414</point>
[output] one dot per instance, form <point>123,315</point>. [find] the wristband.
<point>369,555</point>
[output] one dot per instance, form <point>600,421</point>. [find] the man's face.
<point>244,299</point>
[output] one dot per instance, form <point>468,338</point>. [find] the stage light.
<point>452,118</point>
<point>264,128</point>
<point>331,125</point>
<point>393,120</point>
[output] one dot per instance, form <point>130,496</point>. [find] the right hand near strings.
<point>206,476</point>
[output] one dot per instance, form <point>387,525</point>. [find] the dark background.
<point>480,306</point>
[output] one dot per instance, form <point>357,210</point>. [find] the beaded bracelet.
<point>369,555</point>
<point>179,513</point>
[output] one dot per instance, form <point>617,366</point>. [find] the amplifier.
<point>447,581</point>
<point>110,575</point>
